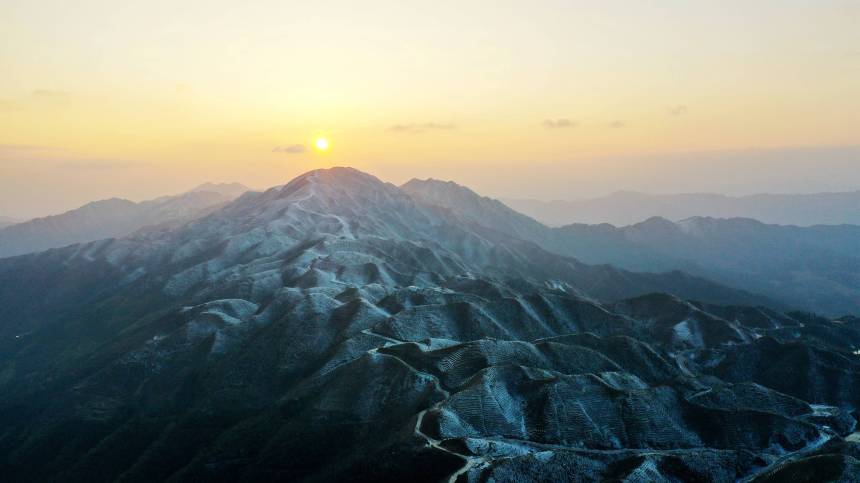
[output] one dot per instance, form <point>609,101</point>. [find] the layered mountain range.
<point>342,328</point>
<point>815,268</point>
<point>112,218</point>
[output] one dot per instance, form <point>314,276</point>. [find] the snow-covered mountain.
<point>338,327</point>
<point>112,218</point>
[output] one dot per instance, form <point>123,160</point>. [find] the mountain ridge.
<point>812,268</point>
<point>113,217</point>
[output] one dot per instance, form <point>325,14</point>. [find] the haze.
<point>554,99</point>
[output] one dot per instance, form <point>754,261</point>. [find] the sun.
<point>321,144</point>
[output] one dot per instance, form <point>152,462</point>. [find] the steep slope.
<point>335,328</point>
<point>110,218</point>
<point>626,208</point>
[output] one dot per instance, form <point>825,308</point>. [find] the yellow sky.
<point>140,98</point>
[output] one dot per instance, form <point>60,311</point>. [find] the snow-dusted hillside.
<point>337,328</point>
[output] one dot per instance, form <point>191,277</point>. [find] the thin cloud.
<point>290,149</point>
<point>678,110</point>
<point>618,124</point>
<point>422,127</point>
<point>560,123</point>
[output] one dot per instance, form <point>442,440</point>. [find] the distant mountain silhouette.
<point>112,218</point>
<point>813,268</point>
<point>627,207</point>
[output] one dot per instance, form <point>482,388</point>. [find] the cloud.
<point>422,127</point>
<point>678,110</point>
<point>559,123</point>
<point>291,149</point>
<point>618,124</point>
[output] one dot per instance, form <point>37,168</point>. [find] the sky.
<point>520,99</point>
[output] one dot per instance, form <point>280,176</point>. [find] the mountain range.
<point>814,268</point>
<point>113,217</point>
<point>342,328</point>
<point>629,207</point>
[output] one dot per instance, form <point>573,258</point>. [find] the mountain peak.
<point>324,203</point>
<point>338,174</point>
<point>657,222</point>
<point>332,181</point>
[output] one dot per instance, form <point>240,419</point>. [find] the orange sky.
<point>137,99</point>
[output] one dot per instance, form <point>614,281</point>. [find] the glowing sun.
<point>321,144</point>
